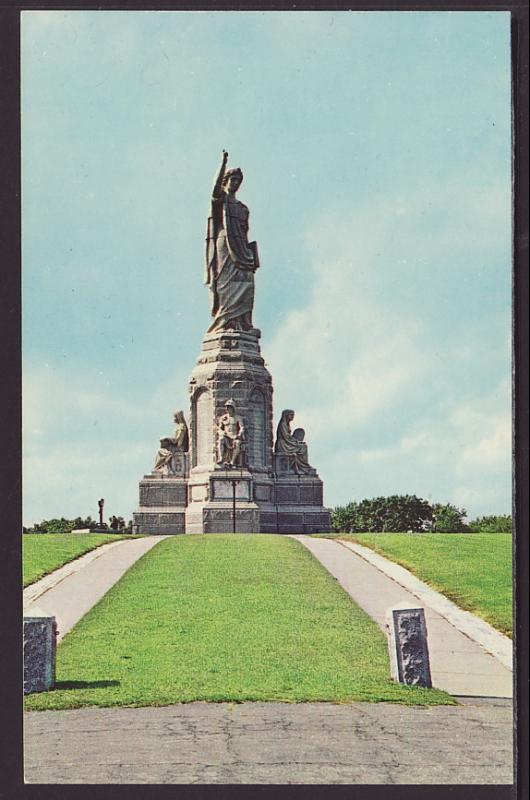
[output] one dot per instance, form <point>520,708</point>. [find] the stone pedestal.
<point>230,367</point>
<point>222,501</point>
<point>270,496</point>
<point>298,501</point>
<point>163,501</point>
<point>40,631</point>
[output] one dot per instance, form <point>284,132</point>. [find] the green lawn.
<point>42,553</point>
<point>225,618</point>
<point>472,569</point>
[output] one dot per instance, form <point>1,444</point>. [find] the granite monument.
<point>226,474</point>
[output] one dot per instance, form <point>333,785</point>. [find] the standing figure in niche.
<point>292,444</point>
<point>231,260</point>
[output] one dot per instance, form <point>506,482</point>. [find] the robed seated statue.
<point>169,458</point>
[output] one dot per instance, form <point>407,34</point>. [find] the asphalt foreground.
<point>272,743</point>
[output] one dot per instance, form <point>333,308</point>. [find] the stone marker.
<point>40,631</point>
<point>407,643</point>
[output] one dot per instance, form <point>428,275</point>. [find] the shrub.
<point>396,513</point>
<point>492,524</point>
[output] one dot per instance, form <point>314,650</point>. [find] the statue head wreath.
<point>230,403</point>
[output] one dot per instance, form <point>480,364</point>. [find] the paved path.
<point>494,642</point>
<point>459,665</point>
<point>71,591</point>
<point>272,743</point>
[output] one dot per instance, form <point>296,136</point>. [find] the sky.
<point>376,149</point>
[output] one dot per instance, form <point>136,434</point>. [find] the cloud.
<point>397,392</point>
<point>83,438</point>
<point>463,457</point>
<point>489,440</point>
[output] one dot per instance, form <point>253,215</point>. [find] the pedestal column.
<point>229,368</point>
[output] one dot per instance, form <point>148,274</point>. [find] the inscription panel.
<point>222,490</point>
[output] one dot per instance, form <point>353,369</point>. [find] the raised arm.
<point>219,180</point>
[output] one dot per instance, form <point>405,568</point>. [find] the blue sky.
<point>377,160</point>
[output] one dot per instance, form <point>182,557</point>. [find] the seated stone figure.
<point>172,447</point>
<point>292,445</point>
<point>230,437</point>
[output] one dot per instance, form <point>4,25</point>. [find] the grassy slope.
<point>45,552</point>
<point>473,570</point>
<point>225,617</point>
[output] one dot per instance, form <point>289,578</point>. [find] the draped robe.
<point>231,261</point>
<point>289,445</point>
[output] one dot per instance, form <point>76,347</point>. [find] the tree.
<point>396,513</point>
<point>492,524</point>
<point>342,517</point>
<point>60,525</point>
<point>448,519</point>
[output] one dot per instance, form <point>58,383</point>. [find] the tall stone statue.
<point>292,444</point>
<point>230,437</point>
<point>231,260</point>
<point>170,446</point>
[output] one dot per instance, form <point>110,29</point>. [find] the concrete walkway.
<point>459,665</point>
<point>272,743</point>
<point>494,642</point>
<point>71,591</point>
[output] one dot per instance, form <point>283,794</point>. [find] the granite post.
<point>408,648</point>
<point>40,632</point>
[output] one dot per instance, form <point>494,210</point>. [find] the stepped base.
<point>272,495</point>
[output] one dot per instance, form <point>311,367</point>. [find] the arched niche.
<point>203,443</point>
<point>256,429</point>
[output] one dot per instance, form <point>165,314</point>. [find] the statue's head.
<point>230,406</point>
<point>288,414</point>
<point>178,416</point>
<point>232,180</point>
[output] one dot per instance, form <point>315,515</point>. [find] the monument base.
<point>298,503</point>
<point>162,505</point>
<point>221,501</point>
<point>263,491</point>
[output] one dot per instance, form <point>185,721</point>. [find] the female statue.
<point>170,445</point>
<point>292,444</point>
<point>231,259</point>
